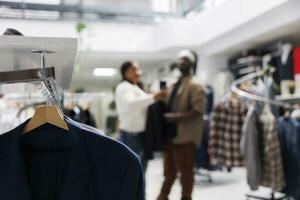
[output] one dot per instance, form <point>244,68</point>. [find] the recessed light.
<point>104,72</point>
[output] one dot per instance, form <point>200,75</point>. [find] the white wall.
<point>209,66</point>
<point>212,23</point>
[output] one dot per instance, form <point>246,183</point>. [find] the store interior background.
<point>152,32</point>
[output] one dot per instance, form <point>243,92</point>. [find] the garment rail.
<point>44,74</point>
<point>250,77</point>
<point>241,93</point>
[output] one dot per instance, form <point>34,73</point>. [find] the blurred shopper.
<point>186,102</point>
<point>132,104</point>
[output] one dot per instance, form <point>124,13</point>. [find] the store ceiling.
<point>134,11</point>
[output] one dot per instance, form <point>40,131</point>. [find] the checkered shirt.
<point>272,168</point>
<point>225,134</point>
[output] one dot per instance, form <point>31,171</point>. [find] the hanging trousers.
<point>179,159</point>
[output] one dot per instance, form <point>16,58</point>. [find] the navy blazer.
<point>76,165</point>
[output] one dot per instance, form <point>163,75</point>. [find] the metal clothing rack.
<point>17,53</point>
<point>250,77</point>
<point>46,75</point>
<point>266,99</point>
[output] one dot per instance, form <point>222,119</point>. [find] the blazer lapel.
<point>80,167</point>
<point>183,85</point>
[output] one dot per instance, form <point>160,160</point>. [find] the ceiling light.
<point>104,72</point>
<point>161,6</point>
<point>219,2</point>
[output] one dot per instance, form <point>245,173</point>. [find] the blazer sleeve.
<point>198,98</point>
<point>133,182</point>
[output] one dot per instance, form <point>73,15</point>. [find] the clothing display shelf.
<point>282,102</point>
<point>22,53</point>
<point>27,75</point>
<point>36,97</point>
<point>84,95</point>
<point>292,99</point>
<point>44,75</point>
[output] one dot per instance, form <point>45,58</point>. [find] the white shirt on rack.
<point>132,104</point>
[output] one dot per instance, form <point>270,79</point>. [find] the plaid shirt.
<point>272,168</point>
<point>225,134</point>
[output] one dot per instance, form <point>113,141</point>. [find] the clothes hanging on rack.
<point>272,175</point>
<point>297,69</point>
<point>289,136</point>
<point>296,60</point>
<point>225,134</point>
<point>286,68</point>
<point>70,112</point>
<point>261,150</point>
<point>50,163</point>
<point>251,148</point>
<point>87,117</point>
<point>284,64</point>
<point>81,115</point>
<point>221,84</point>
<point>202,157</point>
<point>111,124</point>
<point>272,169</point>
<point>209,99</point>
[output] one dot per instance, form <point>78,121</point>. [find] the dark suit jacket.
<point>157,133</point>
<point>52,164</point>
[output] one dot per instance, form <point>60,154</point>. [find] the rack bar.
<point>253,76</point>
<point>28,75</point>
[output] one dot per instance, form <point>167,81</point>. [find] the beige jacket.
<point>190,97</point>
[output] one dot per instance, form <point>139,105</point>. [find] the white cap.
<point>188,54</point>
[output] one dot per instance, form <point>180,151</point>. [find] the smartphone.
<point>162,85</point>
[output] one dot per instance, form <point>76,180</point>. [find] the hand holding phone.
<point>162,85</point>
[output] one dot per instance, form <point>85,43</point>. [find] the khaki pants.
<point>179,159</point>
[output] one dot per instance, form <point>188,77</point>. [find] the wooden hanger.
<point>46,114</point>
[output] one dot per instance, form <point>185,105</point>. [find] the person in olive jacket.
<point>186,101</point>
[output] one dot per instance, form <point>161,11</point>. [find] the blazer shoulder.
<point>6,137</point>
<point>195,81</point>
<point>104,146</point>
<point>195,84</point>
